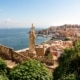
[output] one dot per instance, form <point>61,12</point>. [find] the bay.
<point>17,38</point>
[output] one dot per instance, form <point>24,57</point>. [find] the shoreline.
<point>38,44</point>
<point>24,49</point>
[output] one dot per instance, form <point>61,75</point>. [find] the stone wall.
<point>9,54</point>
<point>5,52</point>
<point>24,53</point>
<point>40,51</point>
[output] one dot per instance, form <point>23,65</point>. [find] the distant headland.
<point>61,32</point>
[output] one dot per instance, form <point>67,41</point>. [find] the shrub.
<point>30,70</point>
<point>69,77</point>
<point>67,39</point>
<point>3,77</point>
<point>3,65</point>
<point>3,70</point>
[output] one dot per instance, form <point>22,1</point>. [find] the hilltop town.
<point>62,32</point>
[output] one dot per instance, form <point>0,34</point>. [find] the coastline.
<point>22,50</point>
<point>17,38</point>
<point>42,43</point>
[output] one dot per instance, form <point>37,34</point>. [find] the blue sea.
<point>17,38</point>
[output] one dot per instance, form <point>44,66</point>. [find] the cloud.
<point>15,23</point>
<point>8,19</point>
<point>9,22</point>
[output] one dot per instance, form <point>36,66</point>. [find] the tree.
<point>69,64</point>
<point>30,70</point>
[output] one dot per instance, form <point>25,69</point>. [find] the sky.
<point>42,13</point>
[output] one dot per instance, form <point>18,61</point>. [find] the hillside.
<point>62,31</point>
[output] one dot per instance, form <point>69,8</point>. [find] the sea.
<point>18,38</point>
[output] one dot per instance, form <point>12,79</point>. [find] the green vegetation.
<point>30,70</point>
<point>67,39</point>
<point>3,76</point>
<point>3,70</point>
<point>69,64</point>
<point>3,65</point>
<point>49,56</point>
